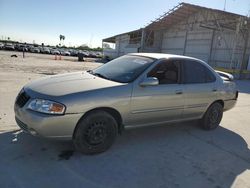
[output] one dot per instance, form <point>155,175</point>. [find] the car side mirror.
<point>150,81</point>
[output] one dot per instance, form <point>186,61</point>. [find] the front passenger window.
<point>167,72</point>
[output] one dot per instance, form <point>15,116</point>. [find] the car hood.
<point>64,84</point>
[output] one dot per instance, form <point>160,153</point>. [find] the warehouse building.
<point>219,38</point>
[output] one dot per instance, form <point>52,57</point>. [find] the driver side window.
<point>167,72</point>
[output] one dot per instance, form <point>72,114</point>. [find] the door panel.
<point>159,103</point>
<point>156,104</point>
<point>199,88</point>
<point>197,98</point>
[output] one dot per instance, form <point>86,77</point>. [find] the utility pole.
<point>142,39</point>
<point>246,35</point>
<point>225,2</point>
<point>244,58</point>
<point>90,41</point>
<point>248,14</point>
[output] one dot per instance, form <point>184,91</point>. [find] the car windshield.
<point>124,69</point>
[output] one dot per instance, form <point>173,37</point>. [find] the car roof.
<point>162,55</point>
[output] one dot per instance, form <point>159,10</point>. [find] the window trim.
<point>179,66</point>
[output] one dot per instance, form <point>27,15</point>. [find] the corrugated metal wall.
<point>198,44</point>
<point>220,48</point>
<point>173,42</point>
<point>121,42</point>
<point>227,51</point>
<point>195,43</point>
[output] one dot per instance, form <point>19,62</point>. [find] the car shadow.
<point>177,155</point>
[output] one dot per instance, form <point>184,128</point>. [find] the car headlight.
<point>46,106</point>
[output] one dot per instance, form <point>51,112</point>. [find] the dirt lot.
<point>16,72</point>
<point>177,155</point>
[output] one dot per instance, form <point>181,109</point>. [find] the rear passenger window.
<point>195,72</point>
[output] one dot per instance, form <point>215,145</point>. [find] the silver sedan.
<point>92,107</point>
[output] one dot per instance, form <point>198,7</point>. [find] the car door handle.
<point>178,92</point>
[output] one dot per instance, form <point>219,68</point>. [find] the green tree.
<point>62,38</point>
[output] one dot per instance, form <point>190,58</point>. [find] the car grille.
<point>22,125</point>
<point>22,99</point>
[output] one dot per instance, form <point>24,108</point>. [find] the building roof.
<point>112,39</point>
<point>180,13</point>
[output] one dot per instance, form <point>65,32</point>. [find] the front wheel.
<point>212,117</point>
<point>95,133</point>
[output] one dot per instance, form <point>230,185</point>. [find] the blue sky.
<point>88,22</point>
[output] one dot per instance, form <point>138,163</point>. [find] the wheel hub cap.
<point>214,116</point>
<point>96,133</point>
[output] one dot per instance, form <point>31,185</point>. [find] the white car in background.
<point>64,52</point>
<point>34,50</point>
<point>55,52</point>
<point>45,50</point>
<point>1,46</point>
<point>9,46</point>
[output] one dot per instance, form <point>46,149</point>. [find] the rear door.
<point>199,88</point>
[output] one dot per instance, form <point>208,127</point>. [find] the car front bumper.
<point>45,125</point>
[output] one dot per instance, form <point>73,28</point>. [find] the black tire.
<point>95,133</point>
<point>212,117</point>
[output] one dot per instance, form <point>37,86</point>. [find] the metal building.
<point>219,38</point>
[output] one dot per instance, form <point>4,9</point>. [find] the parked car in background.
<point>22,48</point>
<point>73,52</point>
<point>92,54</point>
<point>45,50</point>
<point>55,52</point>
<point>29,47</point>
<point>64,52</point>
<point>9,46</point>
<point>139,89</point>
<point>1,46</point>
<point>40,49</point>
<point>85,53</point>
<point>98,54</point>
<point>35,50</point>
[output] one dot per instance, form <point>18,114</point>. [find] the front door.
<point>159,103</point>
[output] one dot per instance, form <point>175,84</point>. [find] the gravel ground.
<point>175,155</point>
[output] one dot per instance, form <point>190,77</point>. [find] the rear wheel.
<point>212,117</point>
<point>95,133</point>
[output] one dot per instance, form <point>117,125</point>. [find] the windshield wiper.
<point>100,75</point>
<point>90,71</point>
